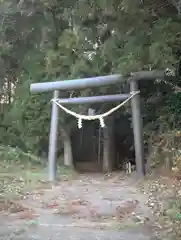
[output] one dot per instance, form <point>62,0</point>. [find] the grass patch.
<point>20,173</point>
<point>126,224</point>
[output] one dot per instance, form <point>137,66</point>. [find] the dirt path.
<point>91,207</point>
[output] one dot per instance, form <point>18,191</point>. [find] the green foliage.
<point>174,110</point>
<point>46,40</point>
<point>16,155</point>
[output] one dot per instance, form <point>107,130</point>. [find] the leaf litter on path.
<point>88,208</point>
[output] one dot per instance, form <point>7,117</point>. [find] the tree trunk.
<point>68,158</point>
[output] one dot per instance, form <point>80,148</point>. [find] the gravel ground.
<point>90,207</point>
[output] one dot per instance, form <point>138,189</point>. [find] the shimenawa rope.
<point>101,117</point>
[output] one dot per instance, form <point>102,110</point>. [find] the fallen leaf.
<point>80,202</point>
<point>54,205</point>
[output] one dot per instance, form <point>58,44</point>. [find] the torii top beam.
<point>75,83</point>
<point>94,81</point>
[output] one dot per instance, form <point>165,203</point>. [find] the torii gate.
<point>133,96</point>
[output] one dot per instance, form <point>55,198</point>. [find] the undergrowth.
<point>164,164</point>
<point>165,151</point>
<point>20,173</point>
